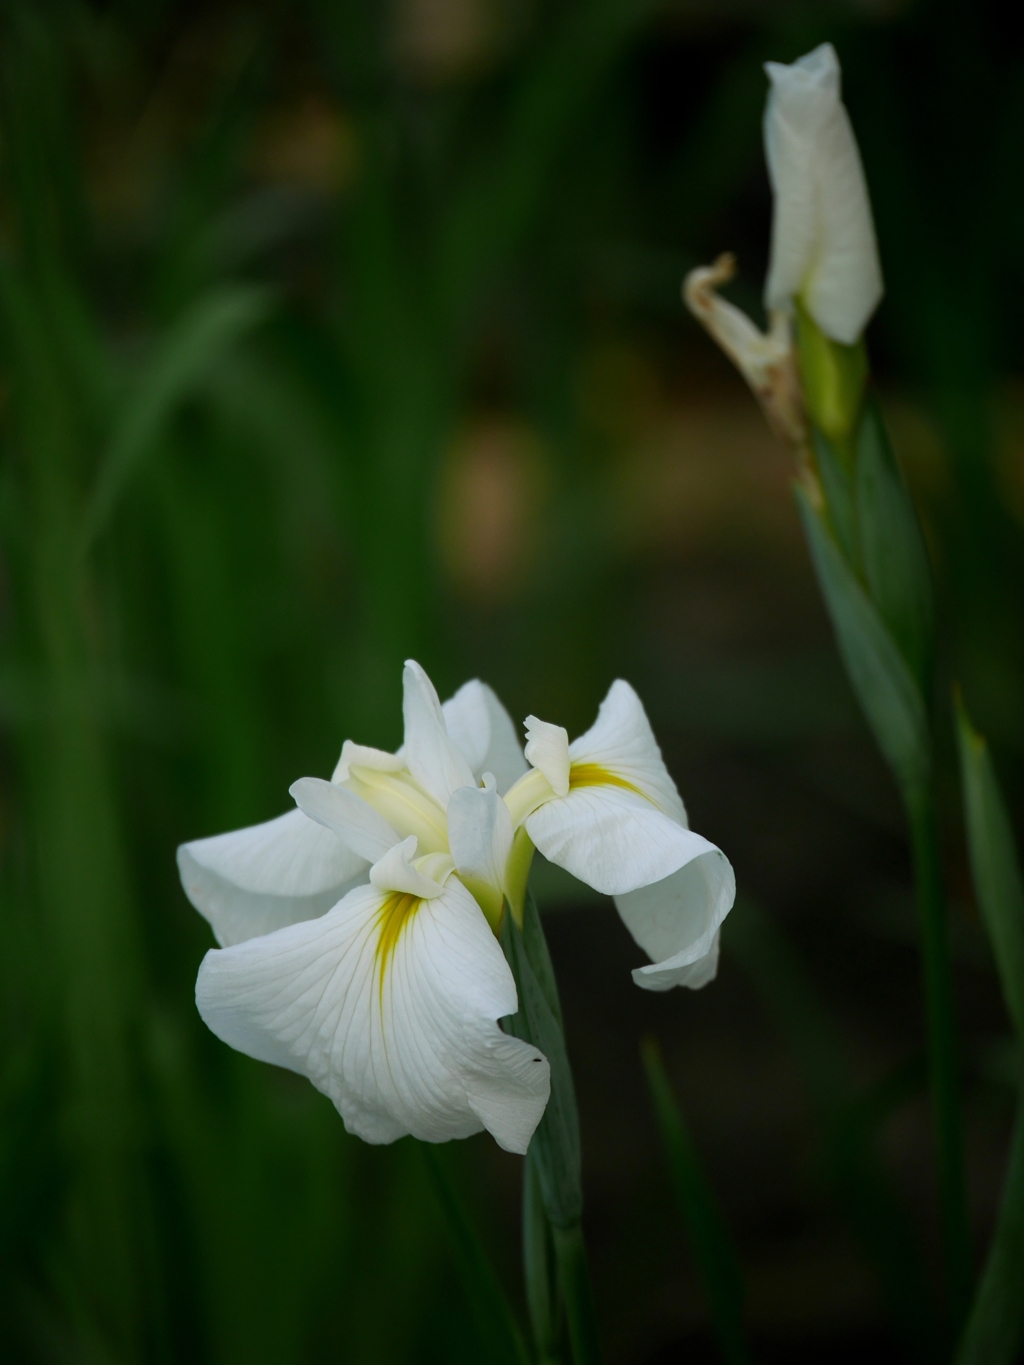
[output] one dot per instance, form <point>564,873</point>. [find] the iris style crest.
<point>359,932</point>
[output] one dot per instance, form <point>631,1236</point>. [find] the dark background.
<point>364,321</point>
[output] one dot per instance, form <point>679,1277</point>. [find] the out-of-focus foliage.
<point>337,333</point>
<point>996,1324</point>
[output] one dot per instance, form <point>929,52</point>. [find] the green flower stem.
<point>554,1155</point>
<point>540,1270</point>
<point>574,1277</point>
<point>943,1068</point>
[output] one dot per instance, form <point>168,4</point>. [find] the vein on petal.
<point>396,912</point>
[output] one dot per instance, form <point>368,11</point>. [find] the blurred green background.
<point>340,332</point>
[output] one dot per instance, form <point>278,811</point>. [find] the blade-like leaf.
<point>837,485</point>
<point>994,865</point>
<point>557,1139</point>
<point>178,366</point>
<point>539,1269</point>
<point>577,1293</point>
<point>887,691</point>
<point>496,1324</point>
<point>555,1147</point>
<point>711,1242</point>
<point>892,548</point>
<point>995,1328</point>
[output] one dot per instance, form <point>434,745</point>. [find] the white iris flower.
<point>359,932</point>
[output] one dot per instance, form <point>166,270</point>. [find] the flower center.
<point>404,805</point>
<point>531,791</point>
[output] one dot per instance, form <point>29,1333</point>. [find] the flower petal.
<point>480,832</point>
<point>480,837</point>
<point>352,819</point>
<point>547,749</point>
<point>255,880</point>
<point>403,804</point>
<point>676,921</point>
<point>396,1022</point>
<point>823,236</point>
<point>483,732</point>
<point>662,976</point>
<point>622,742</point>
<point>395,872</point>
<point>430,755</point>
<point>364,756</point>
<point>613,839</point>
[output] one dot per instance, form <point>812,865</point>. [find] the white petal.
<point>480,835</point>
<point>547,748</point>
<point>676,921</point>
<point>413,1048</point>
<point>788,148</point>
<point>823,236</point>
<point>255,880</point>
<point>621,740</point>
<point>437,866</point>
<point>355,822</point>
<point>694,975</point>
<point>430,755</point>
<point>399,800</point>
<point>363,756</point>
<point>613,839</point>
<point>483,732</point>
<point>395,872</point>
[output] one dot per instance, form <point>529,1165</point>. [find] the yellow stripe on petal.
<point>594,775</point>
<point>396,912</point>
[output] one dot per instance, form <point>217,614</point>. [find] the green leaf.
<point>892,549</point>
<point>995,1328</point>
<point>496,1324</point>
<point>994,865</point>
<point>557,1139</point>
<point>888,693</point>
<point>712,1244</point>
<point>179,365</point>
<point>838,489</point>
<point>574,1278</point>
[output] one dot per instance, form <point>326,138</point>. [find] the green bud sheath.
<point>833,377</point>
